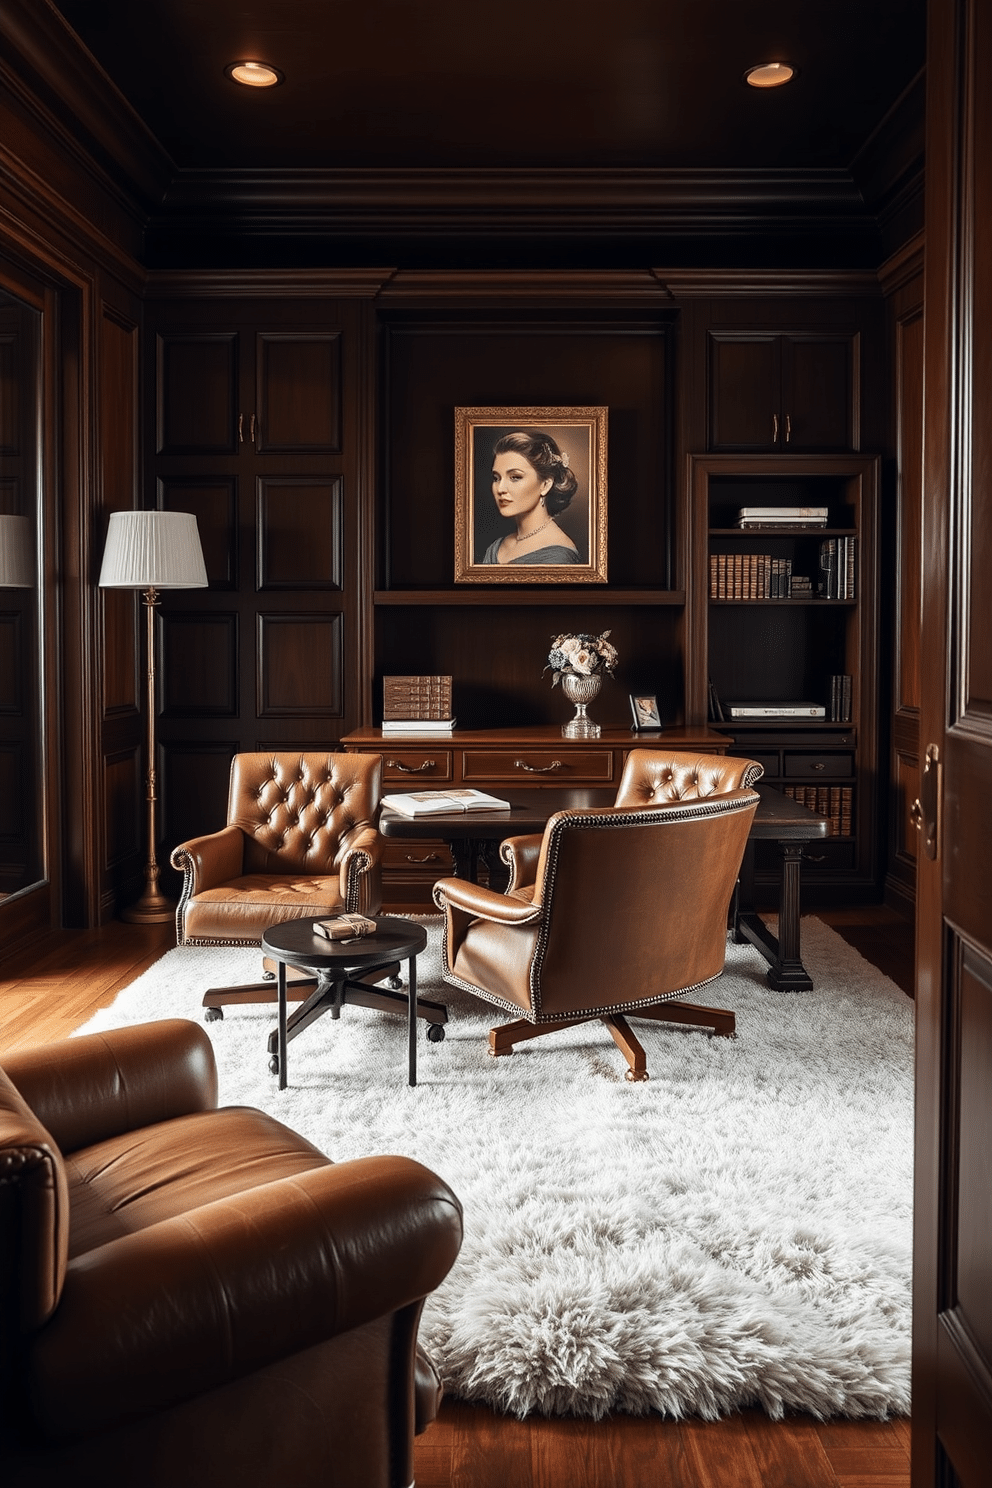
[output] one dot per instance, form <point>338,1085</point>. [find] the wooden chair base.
<point>724,1023</point>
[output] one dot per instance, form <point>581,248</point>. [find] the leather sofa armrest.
<point>521,855</point>
<point>211,860</point>
<point>180,1308</point>
<point>84,1090</point>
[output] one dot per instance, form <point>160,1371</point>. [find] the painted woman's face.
<point>517,487</point>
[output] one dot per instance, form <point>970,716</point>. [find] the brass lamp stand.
<point>152,550</point>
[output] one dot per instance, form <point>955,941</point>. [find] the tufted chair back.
<point>297,810</point>
<point>653,777</point>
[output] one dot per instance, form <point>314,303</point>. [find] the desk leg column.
<point>282,1040</point>
<point>411,1027</point>
<point>790,975</point>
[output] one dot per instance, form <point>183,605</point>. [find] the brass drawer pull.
<point>431,857</point>
<point>392,764</point>
<point>537,769</point>
<point>817,765</point>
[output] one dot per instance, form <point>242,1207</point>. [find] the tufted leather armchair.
<point>301,841</point>
<point>198,1296</point>
<point>612,911</point>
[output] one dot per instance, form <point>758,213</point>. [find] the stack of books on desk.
<point>417,705</point>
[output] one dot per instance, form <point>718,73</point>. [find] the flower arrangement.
<point>582,655</point>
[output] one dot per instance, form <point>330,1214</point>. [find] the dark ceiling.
<point>527,83</point>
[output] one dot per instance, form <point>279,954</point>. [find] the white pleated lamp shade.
<point>16,555</point>
<point>153,550</point>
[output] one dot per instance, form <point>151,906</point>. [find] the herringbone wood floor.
<point>53,986</point>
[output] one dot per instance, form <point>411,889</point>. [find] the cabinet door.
<point>745,392</point>
<point>817,393</point>
<point>793,393</point>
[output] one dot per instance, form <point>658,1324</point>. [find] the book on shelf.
<point>418,725</point>
<point>837,579</point>
<point>841,690</point>
<point>782,516</point>
<point>405,698</point>
<point>783,513</point>
<point>774,710</point>
<point>443,802</point>
<point>833,801</point>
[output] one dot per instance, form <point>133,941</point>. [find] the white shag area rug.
<point>735,1231</point>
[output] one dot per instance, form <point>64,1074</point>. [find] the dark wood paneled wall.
<point>284,647</point>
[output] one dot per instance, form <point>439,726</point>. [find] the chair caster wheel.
<point>435,1033</point>
<point>212,1015</point>
<point>274,1065</point>
<point>395,984</point>
<point>268,976</point>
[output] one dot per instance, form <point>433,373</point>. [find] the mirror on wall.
<point>22,853</point>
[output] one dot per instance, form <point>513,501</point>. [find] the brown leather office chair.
<point>300,842</point>
<point>199,1296</point>
<point>612,911</point>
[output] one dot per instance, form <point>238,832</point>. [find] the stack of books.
<point>774,710</point>
<point>751,576</point>
<point>839,707</point>
<point>417,705</point>
<point>782,516</point>
<point>837,568</point>
<point>833,801</point>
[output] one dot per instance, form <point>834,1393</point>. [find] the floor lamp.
<point>152,550</point>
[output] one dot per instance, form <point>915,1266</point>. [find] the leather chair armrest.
<point>84,1090</point>
<point>211,860</point>
<point>360,863</point>
<point>483,903</point>
<point>521,855</point>
<point>175,1310</point>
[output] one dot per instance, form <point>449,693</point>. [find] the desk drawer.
<point>539,766</point>
<point>419,765</point>
<point>428,858</point>
<point>818,766</point>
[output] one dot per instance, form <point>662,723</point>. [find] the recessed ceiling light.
<point>254,74</point>
<point>769,74</point>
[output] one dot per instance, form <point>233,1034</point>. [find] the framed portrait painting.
<point>530,495</point>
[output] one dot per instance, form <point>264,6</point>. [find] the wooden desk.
<point>499,761</point>
<point>476,835</point>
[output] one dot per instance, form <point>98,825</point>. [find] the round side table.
<point>346,974</point>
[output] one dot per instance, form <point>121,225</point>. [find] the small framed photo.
<point>530,495</point>
<point>645,712</point>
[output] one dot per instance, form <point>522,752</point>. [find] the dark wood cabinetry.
<point>780,651</point>
<point>255,433</point>
<point>793,393</point>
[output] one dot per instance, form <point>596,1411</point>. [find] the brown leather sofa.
<point>301,842</point>
<point>198,1297</point>
<point>612,911</point>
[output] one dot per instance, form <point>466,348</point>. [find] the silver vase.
<point>580,691</point>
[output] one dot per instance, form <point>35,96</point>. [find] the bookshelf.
<point>768,642</point>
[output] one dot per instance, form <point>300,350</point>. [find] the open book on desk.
<point>443,802</point>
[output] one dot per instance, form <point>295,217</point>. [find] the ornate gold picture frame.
<point>530,495</point>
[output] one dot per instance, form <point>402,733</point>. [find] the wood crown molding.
<point>903,266</point>
<point>711,283</point>
<point>546,286</point>
<point>65,88</point>
<point>213,284</point>
<point>532,198</point>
